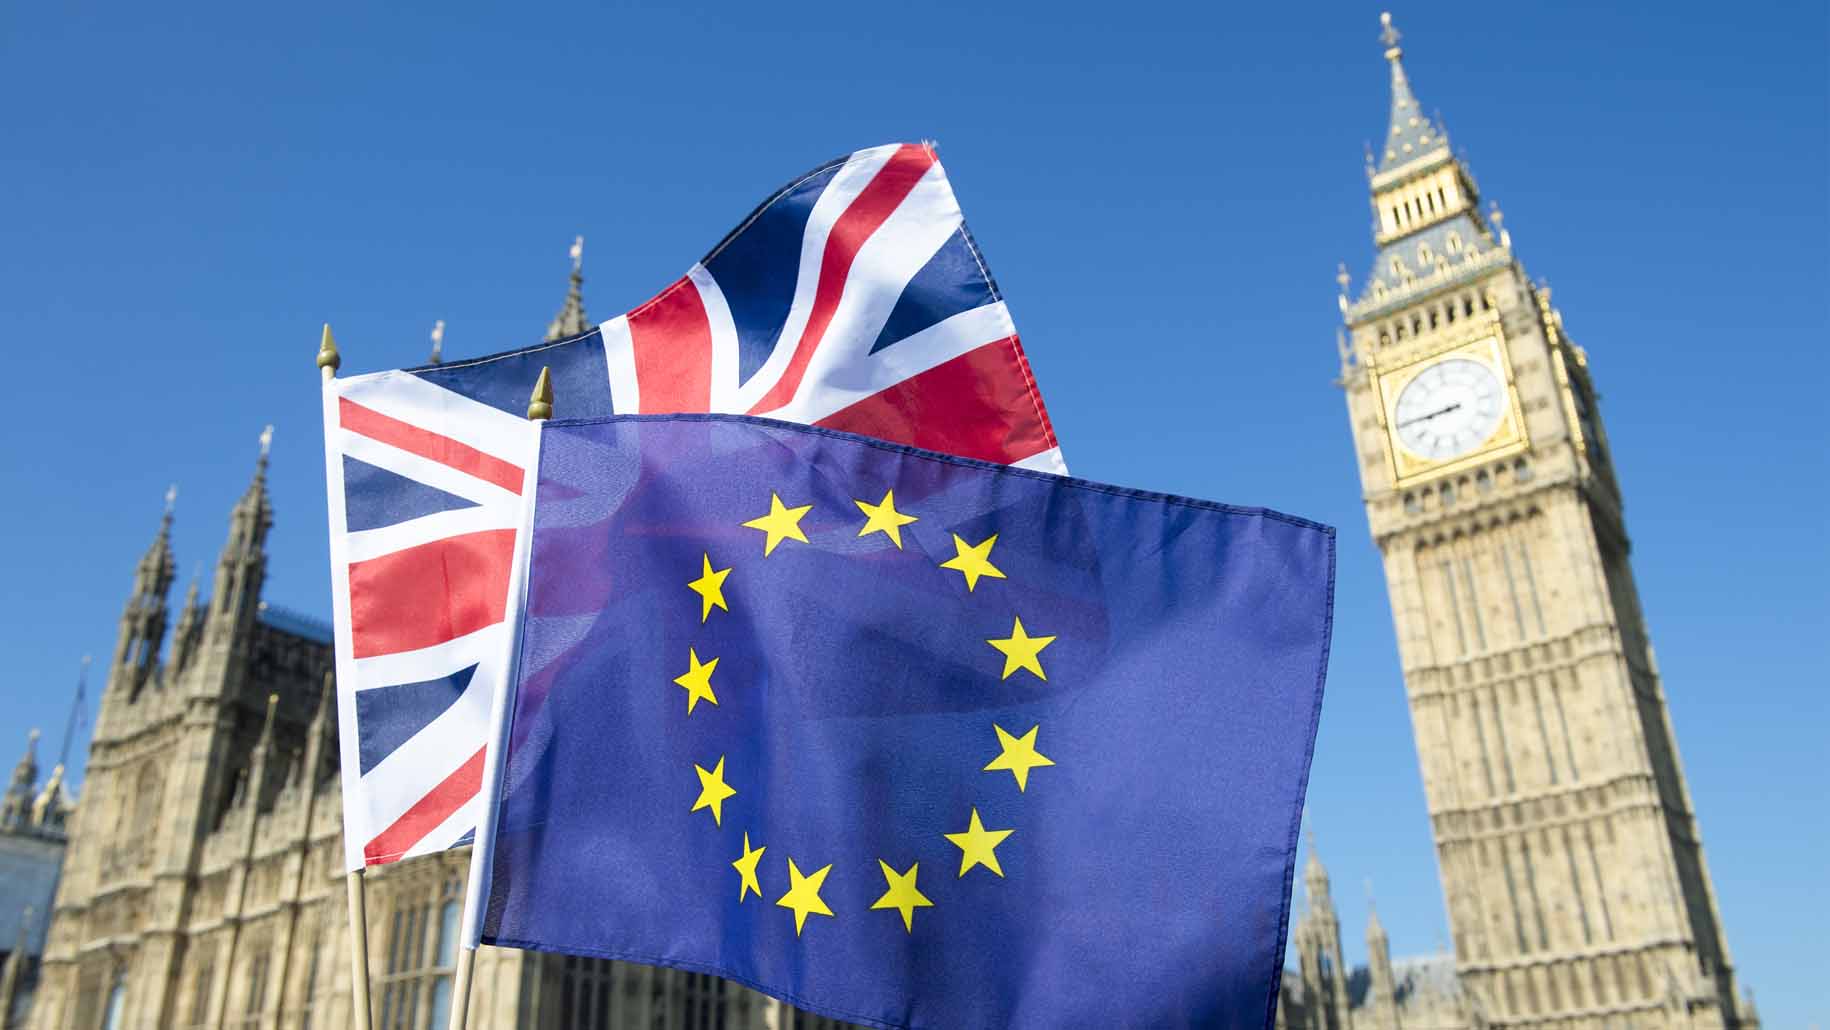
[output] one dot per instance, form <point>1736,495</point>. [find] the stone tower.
<point>1570,856</point>
<point>181,746</point>
<point>1318,950</point>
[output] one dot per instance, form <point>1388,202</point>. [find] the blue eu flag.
<point>905,739</point>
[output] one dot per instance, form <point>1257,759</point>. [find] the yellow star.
<point>697,681</point>
<point>1021,651</point>
<point>973,560</point>
<point>884,518</point>
<point>710,588</point>
<point>746,868</point>
<point>978,845</point>
<point>713,790</point>
<point>782,523</point>
<point>1020,755</point>
<point>902,895</point>
<point>804,895</point>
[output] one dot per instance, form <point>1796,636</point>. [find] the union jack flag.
<point>854,298</point>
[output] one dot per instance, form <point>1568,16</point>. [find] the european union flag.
<point>905,739</point>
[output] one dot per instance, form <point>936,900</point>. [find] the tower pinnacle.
<point>254,512</point>
<point>571,319</point>
<point>1410,135</point>
<point>1315,877</point>
<point>243,563</point>
<point>16,803</point>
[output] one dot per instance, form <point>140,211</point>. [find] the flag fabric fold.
<point>854,297</point>
<point>906,739</point>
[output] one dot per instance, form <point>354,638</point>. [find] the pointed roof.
<point>1375,930</point>
<point>571,319</point>
<point>17,800</point>
<point>1315,878</point>
<point>156,564</point>
<point>255,506</point>
<point>1409,134</point>
<point>192,603</point>
<point>53,803</point>
<point>26,772</point>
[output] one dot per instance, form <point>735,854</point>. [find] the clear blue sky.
<point>1163,192</point>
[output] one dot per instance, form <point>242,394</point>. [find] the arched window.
<point>117,1000</point>
<point>1453,242</point>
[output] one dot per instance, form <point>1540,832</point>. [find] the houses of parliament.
<point>202,886</point>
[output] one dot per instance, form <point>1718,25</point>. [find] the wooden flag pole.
<point>539,409</point>
<point>359,952</point>
<point>328,363</point>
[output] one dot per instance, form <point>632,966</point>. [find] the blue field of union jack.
<point>853,298</point>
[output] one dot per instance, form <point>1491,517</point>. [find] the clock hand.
<point>1431,415</point>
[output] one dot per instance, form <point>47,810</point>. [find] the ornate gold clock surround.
<point>1508,437</point>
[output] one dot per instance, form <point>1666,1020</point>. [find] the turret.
<point>136,655</point>
<point>266,764</point>
<point>189,630</point>
<point>16,804</point>
<point>1379,969</point>
<point>52,806</point>
<point>1321,946</point>
<point>243,564</point>
<point>321,741</point>
<point>571,319</point>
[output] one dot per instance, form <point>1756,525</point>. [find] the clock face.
<point>1449,410</point>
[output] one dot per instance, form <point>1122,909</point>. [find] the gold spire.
<point>540,404</point>
<point>327,352</point>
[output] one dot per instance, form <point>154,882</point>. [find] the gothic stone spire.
<point>154,576</point>
<point>243,564</point>
<point>571,319</point>
<point>16,804</point>
<point>143,622</point>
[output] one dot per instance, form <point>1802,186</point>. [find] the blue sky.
<point>1163,193</point>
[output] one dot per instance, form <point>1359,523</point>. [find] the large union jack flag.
<point>853,298</point>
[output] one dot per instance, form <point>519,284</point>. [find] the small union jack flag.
<point>854,298</point>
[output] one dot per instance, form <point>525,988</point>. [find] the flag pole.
<point>328,363</point>
<point>539,409</point>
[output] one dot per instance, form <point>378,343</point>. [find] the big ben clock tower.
<point>1571,861</point>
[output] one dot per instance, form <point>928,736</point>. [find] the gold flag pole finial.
<point>328,358</point>
<point>540,405</point>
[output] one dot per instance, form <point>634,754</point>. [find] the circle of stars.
<point>1017,755</point>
